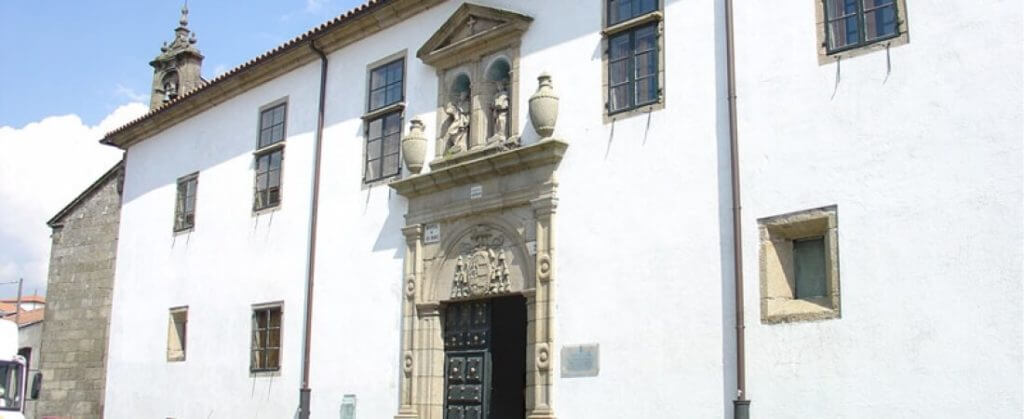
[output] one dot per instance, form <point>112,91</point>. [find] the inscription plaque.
<point>432,233</point>
<point>476,191</point>
<point>580,360</point>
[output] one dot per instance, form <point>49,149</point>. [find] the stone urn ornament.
<point>544,107</point>
<point>414,146</point>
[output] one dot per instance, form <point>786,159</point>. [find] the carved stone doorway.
<point>485,359</point>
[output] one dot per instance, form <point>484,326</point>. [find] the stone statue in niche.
<point>457,134</point>
<point>499,109</point>
<point>482,268</point>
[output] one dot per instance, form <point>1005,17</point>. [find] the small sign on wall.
<point>476,191</point>
<point>348,406</point>
<point>531,246</point>
<point>581,360</point>
<point>432,233</point>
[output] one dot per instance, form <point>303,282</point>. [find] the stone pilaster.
<point>413,272</point>
<point>541,306</point>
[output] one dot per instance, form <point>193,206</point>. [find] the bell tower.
<point>176,69</point>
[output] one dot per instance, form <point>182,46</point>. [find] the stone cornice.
<point>535,155</point>
<point>350,27</point>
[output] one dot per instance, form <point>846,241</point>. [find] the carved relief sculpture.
<point>482,268</point>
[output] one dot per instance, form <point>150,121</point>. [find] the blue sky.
<point>72,70</point>
<point>88,57</point>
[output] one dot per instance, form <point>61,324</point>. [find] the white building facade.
<point>893,146</point>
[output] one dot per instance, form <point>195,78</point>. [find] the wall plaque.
<point>531,246</point>
<point>348,406</point>
<point>476,191</point>
<point>432,233</point>
<point>580,360</point>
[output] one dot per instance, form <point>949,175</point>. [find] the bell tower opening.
<point>176,71</point>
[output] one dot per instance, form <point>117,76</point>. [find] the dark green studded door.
<point>467,354</point>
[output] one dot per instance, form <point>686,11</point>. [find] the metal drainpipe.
<point>741,406</point>
<point>304,391</point>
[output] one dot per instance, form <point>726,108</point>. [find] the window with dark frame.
<point>386,84</point>
<point>269,157</point>
<point>633,68</point>
<point>185,203</point>
<point>384,132</point>
<point>623,10</point>
<point>266,339</point>
<point>855,23</point>
<point>268,179</point>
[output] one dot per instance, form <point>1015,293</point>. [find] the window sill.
<point>394,107</point>
<point>184,231</point>
<point>792,310</point>
<point>265,373</point>
<point>826,57</point>
<point>637,111</point>
<point>267,210</point>
<point>270,148</point>
<point>655,16</point>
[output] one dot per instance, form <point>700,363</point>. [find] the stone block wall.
<point>80,283</point>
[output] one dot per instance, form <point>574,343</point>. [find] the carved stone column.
<point>541,328</point>
<point>413,272</point>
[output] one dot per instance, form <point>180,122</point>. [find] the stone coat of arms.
<point>482,268</point>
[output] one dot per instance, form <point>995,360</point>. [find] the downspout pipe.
<point>304,390</point>
<point>741,405</point>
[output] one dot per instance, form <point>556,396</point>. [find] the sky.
<point>71,71</point>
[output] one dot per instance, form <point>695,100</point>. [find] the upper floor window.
<point>269,157</point>
<point>176,332</point>
<point>855,23</point>
<point>386,84</point>
<point>384,120</point>
<point>634,58</point>
<point>272,125</point>
<point>623,10</point>
<point>185,205</point>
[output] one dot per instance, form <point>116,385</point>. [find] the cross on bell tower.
<point>176,69</point>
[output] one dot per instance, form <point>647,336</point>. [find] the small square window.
<point>266,339</point>
<point>176,334</point>
<point>799,266</point>
<point>185,204</point>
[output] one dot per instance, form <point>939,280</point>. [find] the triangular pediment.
<point>471,28</point>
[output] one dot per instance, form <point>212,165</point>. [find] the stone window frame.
<point>260,152</point>
<point>177,336</point>
<point>182,222</point>
<point>656,17</point>
<point>827,57</point>
<point>777,277</point>
<point>254,329</point>
<point>381,113</point>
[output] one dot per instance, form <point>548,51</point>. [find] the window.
<point>851,24</point>
<point>176,332</point>
<point>266,339</point>
<point>269,156</point>
<point>384,120</point>
<point>185,204</point>
<point>386,85</point>
<point>634,62</point>
<point>799,266</point>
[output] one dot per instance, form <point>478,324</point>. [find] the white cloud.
<point>43,166</point>
<point>130,94</point>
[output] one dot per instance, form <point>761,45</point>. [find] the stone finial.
<point>184,15</point>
